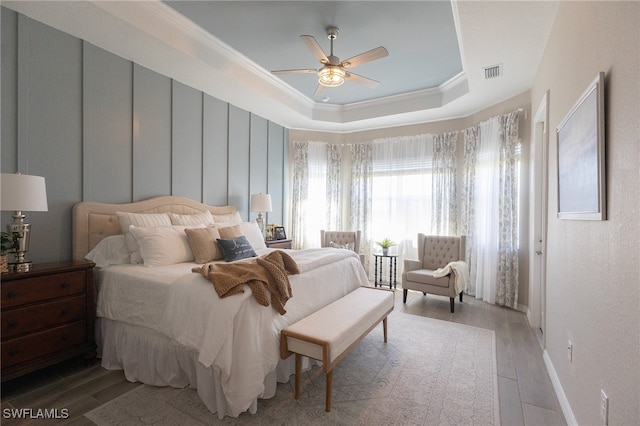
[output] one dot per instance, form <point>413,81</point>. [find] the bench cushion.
<point>339,324</point>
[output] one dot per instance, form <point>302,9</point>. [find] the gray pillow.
<point>236,248</point>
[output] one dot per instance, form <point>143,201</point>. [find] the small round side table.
<point>392,269</point>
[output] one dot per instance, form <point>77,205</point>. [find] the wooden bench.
<point>329,334</point>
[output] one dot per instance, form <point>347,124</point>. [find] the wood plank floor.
<point>526,393</point>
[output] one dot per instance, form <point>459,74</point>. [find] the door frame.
<point>538,209</point>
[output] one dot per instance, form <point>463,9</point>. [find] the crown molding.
<point>155,36</point>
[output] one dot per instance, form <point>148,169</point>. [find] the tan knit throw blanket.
<point>269,272</point>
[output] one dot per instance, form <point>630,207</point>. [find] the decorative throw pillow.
<point>191,219</point>
<point>145,220</point>
<point>230,232</point>
<point>348,246</point>
<point>236,249</point>
<point>162,245</point>
<point>203,243</point>
<point>253,234</point>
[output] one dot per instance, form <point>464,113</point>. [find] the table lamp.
<point>22,193</point>
<point>260,203</point>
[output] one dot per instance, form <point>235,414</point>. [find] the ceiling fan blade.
<point>371,55</point>
<point>320,90</point>
<point>356,78</point>
<point>315,48</point>
<point>298,71</point>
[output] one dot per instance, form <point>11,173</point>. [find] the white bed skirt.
<point>151,358</point>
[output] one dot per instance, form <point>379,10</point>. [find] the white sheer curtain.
<point>334,187</point>
<point>485,205</point>
<point>401,193</point>
<point>490,210</point>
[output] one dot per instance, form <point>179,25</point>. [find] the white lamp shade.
<point>23,193</point>
<point>260,203</point>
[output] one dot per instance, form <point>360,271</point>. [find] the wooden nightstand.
<point>48,316</point>
<point>279,244</point>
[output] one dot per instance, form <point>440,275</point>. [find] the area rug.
<point>430,372</point>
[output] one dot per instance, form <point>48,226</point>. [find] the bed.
<point>165,325</point>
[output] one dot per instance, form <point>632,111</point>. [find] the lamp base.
<point>260,223</point>
<point>20,266</point>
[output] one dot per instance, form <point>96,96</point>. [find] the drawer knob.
<point>13,352</point>
<point>13,323</point>
<point>65,285</point>
<point>12,294</point>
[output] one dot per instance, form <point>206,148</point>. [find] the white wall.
<point>593,272</point>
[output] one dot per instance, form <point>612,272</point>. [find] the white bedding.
<point>236,337</point>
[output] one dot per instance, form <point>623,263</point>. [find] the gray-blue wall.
<point>102,128</point>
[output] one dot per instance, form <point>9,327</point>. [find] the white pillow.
<point>230,218</point>
<point>147,220</point>
<point>253,234</point>
<point>111,250</point>
<point>162,245</point>
<point>191,219</point>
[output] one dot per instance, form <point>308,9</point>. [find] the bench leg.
<point>384,328</point>
<point>329,387</point>
<point>298,374</point>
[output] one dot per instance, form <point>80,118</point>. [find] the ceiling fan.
<point>333,71</point>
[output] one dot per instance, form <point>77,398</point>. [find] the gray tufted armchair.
<point>433,252</point>
<point>342,239</point>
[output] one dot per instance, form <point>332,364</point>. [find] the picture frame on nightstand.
<point>279,233</point>
<point>269,233</point>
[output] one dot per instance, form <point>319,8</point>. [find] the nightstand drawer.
<point>45,315</point>
<point>37,289</point>
<point>37,344</point>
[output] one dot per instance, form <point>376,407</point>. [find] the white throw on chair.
<point>440,268</point>
<point>342,239</point>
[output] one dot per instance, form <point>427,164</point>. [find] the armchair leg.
<point>460,297</point>
<point>404,295</point>
<point>451,300</point>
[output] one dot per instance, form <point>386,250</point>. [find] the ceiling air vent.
<point>493,71</point>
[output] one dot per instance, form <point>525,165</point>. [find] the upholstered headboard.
<point>93,221</point>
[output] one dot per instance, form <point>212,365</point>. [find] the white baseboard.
<point>557,386</point>
<point>522,308</point>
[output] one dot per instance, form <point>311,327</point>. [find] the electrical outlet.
<point>604,407</point>
<point>570,351</point>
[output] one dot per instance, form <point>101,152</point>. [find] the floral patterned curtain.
<point>467,208</point>
<point>444,215</point>
<point>300,188</point>
<point>361,201</point>
<point>508,244</point>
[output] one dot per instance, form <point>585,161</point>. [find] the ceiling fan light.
<point>331,76</point>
